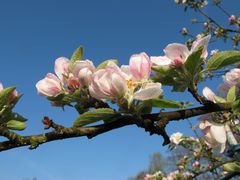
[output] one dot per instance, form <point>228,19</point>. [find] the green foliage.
<point>94,116</point>
<point>104,63</point>
<point>174,77</point>
<point>232,167</point>
<point>194,61</point>
<point>5,96</point>
<point>236,106</point>
<point>77,55</point>
<point>222,59</point>
<point>57,98</point>
<point>181,77</point>
<point>163,103</point>
<point>231,96</point>
<point>18,117</point>
<point>219,99</point>
<point>16,125</point>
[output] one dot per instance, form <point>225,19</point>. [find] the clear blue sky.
<point>34,33</point>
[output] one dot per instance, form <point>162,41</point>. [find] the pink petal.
<point>203,41</point>
<point>177,51</point>
<point>61,67</point>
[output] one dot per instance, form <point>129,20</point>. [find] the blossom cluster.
<point>216,134</point>
<point>171,176</point>
<point>111,82</point>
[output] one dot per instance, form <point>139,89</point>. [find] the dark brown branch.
<point>154,123</point>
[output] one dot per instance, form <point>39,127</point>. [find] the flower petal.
<point>61,67</point>
<point>202,41</point>
<point>218,132</point>
<point>150,91</point>
<point>177,51</point>
<point>208,94</point>
<point>160,60</point>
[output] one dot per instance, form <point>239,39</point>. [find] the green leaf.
<point>59,97</point>
<point>16,125</point>
<point>238,128</point>
<point>219,99</point>
<point>94,116</point>
<point>170,77</point>
<point>236,106</point>
<point>163,103</point>
<point>77,55</point>
<point>232,167</point>
<point>5,96</point>
<point>104,63</point>
<point>222,59</point>
<point>231,95</point>
<point>194,61</point>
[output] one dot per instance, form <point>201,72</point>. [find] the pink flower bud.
<point>196,164</point>
<point>14,93</point>
<point>232,20</point>
<point>181,167</point>
<point>140,66</point>
<point>83,70</point>
<point>49,86</point>
<point>108,83</point>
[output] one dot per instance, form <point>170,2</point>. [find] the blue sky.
<point>34,33</point>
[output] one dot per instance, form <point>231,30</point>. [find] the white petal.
<point>152,90</point>
<point>218,132</point>
<point>160,60</point>
<point>208,94</point>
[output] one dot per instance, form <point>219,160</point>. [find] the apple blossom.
<point>49,86</point>
<point>176,138</point>
<point>196,164</point>
<point>177,54</point>
<point>108,83</point>
<point>214,134</point>
<point>231,78</point>
<point>83,70</point>
<point>232,20</point>
<point>140,66</point>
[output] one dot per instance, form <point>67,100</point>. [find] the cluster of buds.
<point>66,79</point>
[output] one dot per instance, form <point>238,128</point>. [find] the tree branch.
<point>154,123</point>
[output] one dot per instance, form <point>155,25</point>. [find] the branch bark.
<point>154,123</point>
